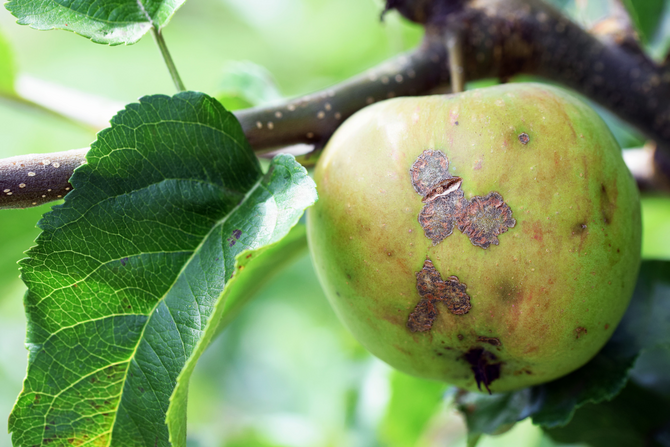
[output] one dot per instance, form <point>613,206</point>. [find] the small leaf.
<point>245,84</point>
<point>108,22</point>
<point>645,15</point>
<point>413,402</point>
<point>643,327</point>
<point>127,281</point>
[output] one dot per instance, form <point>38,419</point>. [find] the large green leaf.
<point>128,279</point>
<point>103,21</point>
<point>636,417</point>
<point>644,327</point>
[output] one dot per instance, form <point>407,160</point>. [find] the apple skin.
<point>543,301</point>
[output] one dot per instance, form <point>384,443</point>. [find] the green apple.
<point>485,239</point>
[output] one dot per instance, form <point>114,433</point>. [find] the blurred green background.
<point>285,373</point>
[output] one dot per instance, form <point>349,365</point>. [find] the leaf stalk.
<point>172,68</point>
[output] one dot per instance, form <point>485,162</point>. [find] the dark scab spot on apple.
<point>429,169</point>
<point>485,218</point>
<point>433,290</point>
<point>524,138</point>
<point>460,337</point>
<point>579,228</point>
<point>482,219</point>
<point>490,340</point>
<point>438,217</point>
<point>422,317</point>
<point>580,331</point>
<point>484,366</point>
<point>607,205</point>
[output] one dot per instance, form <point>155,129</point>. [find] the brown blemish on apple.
<point>485,218</point>
<point>438,217</point>
<point>524,138</point>
<point>482,219</point>
<point>607,203</point>
<point>580,331</point>
<point>460,337</point>
<point>432,290</point>
<point>490,340</point>
<point>429,169</point>
<point>580,229</point>
<point>484,367</point>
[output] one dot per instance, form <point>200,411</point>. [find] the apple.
<point>489,238</point>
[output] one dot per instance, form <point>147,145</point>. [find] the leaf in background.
<point>659,45</point>
<point>245,84</point>
<point>413,403</point>
<point>655,227</point>
<point>645,15</point>
<point>7,67</point>
<point>633,418</point>
<point>108,22</point>
<point>126,280</point>
<point>644,326</point>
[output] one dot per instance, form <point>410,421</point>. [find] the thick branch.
<point>36,179</point>
<point>500,38</point>
<point>310,119</point>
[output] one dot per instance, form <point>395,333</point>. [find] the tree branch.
<point>500,38</point>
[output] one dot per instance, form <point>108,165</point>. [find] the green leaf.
<point>127,281</point>
<point>655,227</point>
<point>643,327</point>
<point>245,84</point>
<point>413,402</point>
<point>645,15</point>
<point>258,273</point>
<point>659,45</point>
<point>633,418</point>
<point>7,67</point>
<point>108,22</point>
<point>253,269</point>
<point>493,414</point>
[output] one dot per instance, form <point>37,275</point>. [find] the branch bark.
<point>500,38</point>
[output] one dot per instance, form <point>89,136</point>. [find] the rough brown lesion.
<point>482,219</point>
<point>438,218</point>
<point>429,169</point>
<point>485,218</point>
<point>580,331</point>
<point>433,289</point>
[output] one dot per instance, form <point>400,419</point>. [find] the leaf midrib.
<point>186,264</point>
